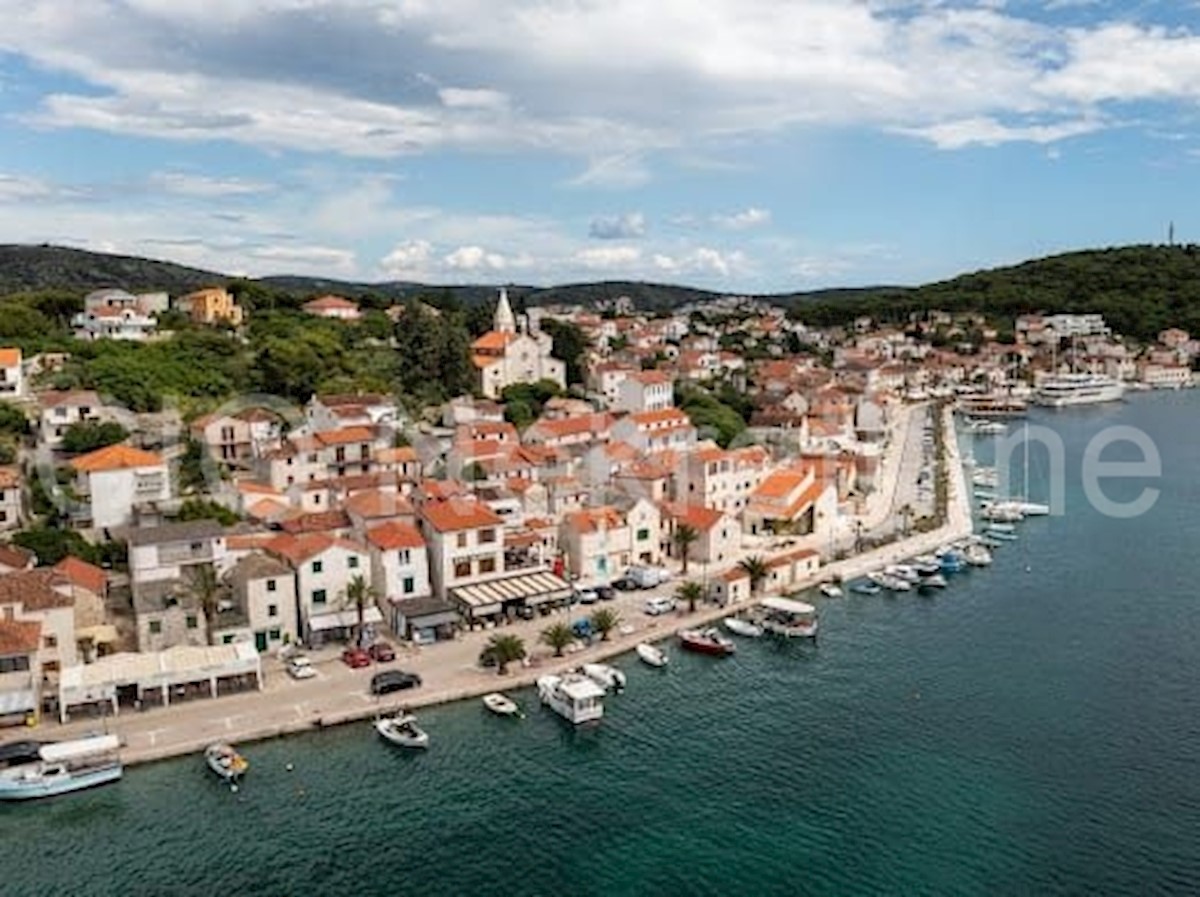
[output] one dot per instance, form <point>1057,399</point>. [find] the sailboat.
<point>1022,504</point>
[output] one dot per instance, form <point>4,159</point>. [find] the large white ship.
<point>1062,390</point>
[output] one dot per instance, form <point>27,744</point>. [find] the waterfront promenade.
<point>449,670</point>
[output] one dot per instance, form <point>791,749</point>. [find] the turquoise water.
<point>1026,732</point>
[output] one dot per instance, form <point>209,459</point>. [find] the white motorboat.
<point>226,762</point>
<point>1001,528</point>
<point>574,697</point>
<point>501,705</point>
<point>902,572</point>
<point>831,590</point>
<point>651,655</point>
<point>866,587</point>
<point>789,618</point>
<point>1002,535</point>
<point>402,730</point>
<point>738,626</point>
<point>977,556</point>
<point>936,581</point>
<point>608,678</point>
<point>1032,508</point>
<point>63,767</point>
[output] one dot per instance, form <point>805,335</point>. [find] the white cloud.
<point>747,218</point>
<point>475,258</point>
<point>989,132</point>
<point>408,260</point>
<point>619,172</point>
<point>203,186</point>
<point>607,258</point>
<point>307,259</point>
<point>618,227</point>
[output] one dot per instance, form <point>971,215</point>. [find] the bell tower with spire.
<point>504,321</point>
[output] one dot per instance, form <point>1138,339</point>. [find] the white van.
<point>647,577</point>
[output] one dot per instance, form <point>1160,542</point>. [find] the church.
<point>506,355</point>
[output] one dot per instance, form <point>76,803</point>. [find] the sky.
<point>745,146</point>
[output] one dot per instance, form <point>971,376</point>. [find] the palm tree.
<point>505,649</point>
<point>605,621</point>
<point>206,587</point>
<point>691,592</point>
<point>358,593</point>
<point>557,637</point>
<point>684,537</point>
<point>756,568</point>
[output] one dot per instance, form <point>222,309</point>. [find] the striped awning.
<point>529,588</point>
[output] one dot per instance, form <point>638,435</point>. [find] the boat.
<point>1000,528</point>
<point>1002,536</point>
<point>573,696</point>
<point>1032,508</point>
<point>607,677</point>
<point>402,730</point>
<point>226,762</point>
<point>651,655</point>
<point>977,556</point>
<point>1064,390</point>
<point>830,590</point>
<point>789,618</point>
<point>891,583</point>
<point>866,587</point>
<point>952,562</point>
<point>902,572</point>
<point>706,641</point>
<point>501,705</point>
<point>738,626</point>
<point>993,406</point>
<point>926,565</point>
<point>62,767</point>
<point>936,581</point>
<point>985,495</point>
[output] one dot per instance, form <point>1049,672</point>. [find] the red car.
<point>382,652</point>
<point>356,658</point>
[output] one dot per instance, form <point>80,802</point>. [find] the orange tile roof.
<point>402,455</point>
<point>345,436</point>
<point>590,520</point>
<point>116,457</point>
<point>70,397</point>
<point>492,341</point>
<point>268,509</point>
<point>322,521</point>
<point>698,517</point>
<point>377,504</point>
<point>394,535</point>
<point>247,541</point>
<point>665,416</point>
<point>647,378</point>
<point>19,637</point>
<point>34,590</point>
<point>81,573</point>
<point>10,477</point>
<point>10,358</point>
<point>298,549</point>
<point>329,302</point>
<point>458,514</point>
<point>16,557</point>
<point>781,483</point>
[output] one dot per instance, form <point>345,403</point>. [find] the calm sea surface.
<point>1035,729</point>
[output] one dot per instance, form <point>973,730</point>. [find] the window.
<point>318,596</point>
<point>192,622</point>
<point>272,610</point>
<point>353,561</point>
<point>409,585</point>
<point>50,641</point>
<point>487,565</point>
<point>3,516</point>
<point>462,540</point>
<point>155,627</point>
<point>14,664</point>
<point>275,635</point>
<point>317,566</point>
<point>227,639</point>
<point>461,569</point>
<point>272,585</point>
<point>487,535</point>
<point>404,556</point>
<point>643,535</point>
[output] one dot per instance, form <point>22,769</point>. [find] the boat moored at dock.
<point>789,618</point>
<point>706,641</point>
<point>741,627</point>
<point>651,655</point>
<point>501,705</point>
<point>62,767</point>
<point>573,696</point>
<point>607,677</point>
<point>225,762</point>
<point>402,730</point>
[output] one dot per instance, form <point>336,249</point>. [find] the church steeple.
<point>505,321</point>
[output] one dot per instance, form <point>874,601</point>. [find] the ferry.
<point>1064,390</point>
<point>63,767</point>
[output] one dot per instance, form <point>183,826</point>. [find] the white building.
<point>115,314</point>
<point>118,478</point>
<point>264,590</point>
<point>12,378</point>
<point>654,431</point>
<point>11,507</point>
<point>1165,376</point>
<point>601,543</point>
<point>170,551</point>
<point>325,565</point>
<point>466,543</point>
<point>503,356</point>
<point>721,479</point>
<point>646,391</point>
<point>399,568</point>
<point>334,307</point>
<point>62,409</point>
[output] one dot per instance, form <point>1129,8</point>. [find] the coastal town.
<point>254,567</point>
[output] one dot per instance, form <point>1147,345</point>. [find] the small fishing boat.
<point>1003,536</point>
<point>651,655</point>
<point>830,590</point>
<point>46,770</point>
<point>928,583</point>
<point>866,587</point>
<point>608,678</point>
<point>501,705</point>
<point>1001,528</point>
<point>789,618</point>
<point>738,626</point>
<point>978,556</point>
<point>226,762</point>
<point>706,641</point>
<point>402,730</point>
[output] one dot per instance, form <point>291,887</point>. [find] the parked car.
<point>300,667</point>
<point>587,596</point>
<point>382,652</point>
<point>624,584</point>
<point>525,612</point>
<point>393,680</point>
<point>606,593</point>
<point>661,605</point>
<point>356,658</point>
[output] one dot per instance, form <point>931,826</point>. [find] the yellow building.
<point>210,306</point>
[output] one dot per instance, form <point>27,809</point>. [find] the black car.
<point>393,680</point>
<point>606,593</point>
<point>625,584</point>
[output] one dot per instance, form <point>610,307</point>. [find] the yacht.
<point>1063,390</point>
<point>573,696</point>
<point>63,767</point>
